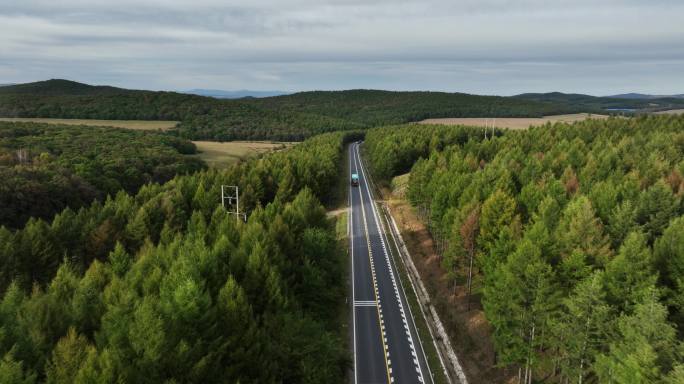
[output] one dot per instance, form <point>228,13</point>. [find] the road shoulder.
<point>468,331</point>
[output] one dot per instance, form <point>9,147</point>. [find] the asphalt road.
<point>386,345</point>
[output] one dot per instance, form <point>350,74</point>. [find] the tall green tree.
<point>498,212</point>
<point>657,206</point>
<point>580,230</point>
<point>581,329</point>
<point>68,357</point>
<point>630,273</point>
<point>12,371</point>
<point>643,346</point>
<point>519,304</point>
<point>669,257</point>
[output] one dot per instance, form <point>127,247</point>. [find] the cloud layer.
<point>480,46</point>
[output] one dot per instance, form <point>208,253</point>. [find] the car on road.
<point>355,180</point>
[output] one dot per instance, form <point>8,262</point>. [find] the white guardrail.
<point>430,314</point>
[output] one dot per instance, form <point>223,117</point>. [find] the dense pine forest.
<point>165,286</point>
<point>576,233</point>
<point>46,168</point>
<point>284,118</point>
<point>119,264</point>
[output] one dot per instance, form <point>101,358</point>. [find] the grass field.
<point>513,122</point>
<point>221,155</point>
<point>671,112</point>
<point>145,125</point>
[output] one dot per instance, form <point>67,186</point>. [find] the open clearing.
<point>221,155</point>
<point>145,125</point>
<point>513,122</point>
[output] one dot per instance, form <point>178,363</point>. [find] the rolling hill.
<point>598,104</point>
<point>645,96</point>
<point>240,94</point>
<point>287,117</point>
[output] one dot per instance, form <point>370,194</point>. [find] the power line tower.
<point>489,123</point>
<point>230,200</point>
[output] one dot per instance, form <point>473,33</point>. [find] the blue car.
<point>354,180</point>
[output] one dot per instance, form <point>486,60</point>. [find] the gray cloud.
<point>484,46</point>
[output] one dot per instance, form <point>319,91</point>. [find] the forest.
<point>574,235</point>
<point>46,168</point>
<point>119,264</point>
<point>283,118</point>
<point>164,286</point>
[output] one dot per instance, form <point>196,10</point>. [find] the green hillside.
<point>598,104</point>
<point>374,107</point>
<point>45,168</point>
<point>290,117</point>
<point>286,118</point>
<point>60,87</point>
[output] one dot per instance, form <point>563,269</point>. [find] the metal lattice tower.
<point>230,200</point>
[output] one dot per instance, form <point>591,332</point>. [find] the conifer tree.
<point>497,213</point>
<point>12,371</point>
<point>580,331</point>
<point>580,230</point>
<point>642,347</point>
<point>630,272</point>
<point>657,206</point>
<point>69,355</point>
<point>669,257</point>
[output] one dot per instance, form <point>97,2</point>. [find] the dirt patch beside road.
<point>469,331</point>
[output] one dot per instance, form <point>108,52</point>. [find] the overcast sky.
<point>477,46</point>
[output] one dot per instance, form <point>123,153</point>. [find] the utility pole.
<point>22,156</point>
<point>230,197</point>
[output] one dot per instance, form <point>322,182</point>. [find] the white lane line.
<point>357,158</point>
<point>394,232</point>
<point>365,304</point>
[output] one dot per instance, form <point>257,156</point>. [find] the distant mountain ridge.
<point>61,87</point>
<point>606,104</point>
<point>645,96</point>
<point>239,94</point>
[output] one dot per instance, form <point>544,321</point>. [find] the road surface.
<point>386,345</point>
